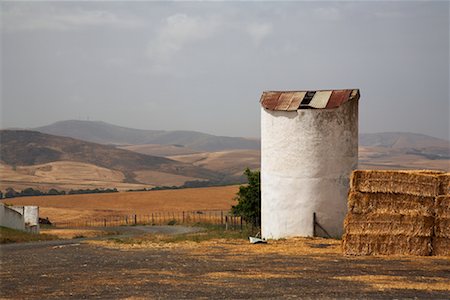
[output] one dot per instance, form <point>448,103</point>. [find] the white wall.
<point>30,217</point>
<point>11,218</point>
<point>306,160</point>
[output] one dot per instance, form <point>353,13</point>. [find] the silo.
<point>309,146</point>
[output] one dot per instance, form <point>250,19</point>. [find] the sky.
<point>203,65</point>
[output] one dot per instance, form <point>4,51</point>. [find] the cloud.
<point>259,31</point>
<point>44,17</point>
<point>178,31</point>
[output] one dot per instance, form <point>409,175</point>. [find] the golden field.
<point>70,208</point>
<point>63,175</point>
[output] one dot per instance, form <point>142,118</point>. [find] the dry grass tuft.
<point>386,282</point>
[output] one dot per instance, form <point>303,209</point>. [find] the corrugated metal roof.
<point>293,100</point>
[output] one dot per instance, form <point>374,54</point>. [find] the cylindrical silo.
<point>309,146</point>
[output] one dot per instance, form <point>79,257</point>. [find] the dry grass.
<point>74,233</point>
<point>386,282</point>
<point>159,150</point>
<point>78,207</point>
<point>9,235</point>
<point>230,162</point>
<point>62,175</point>
<point>155,178</point>
<point>234,247</point>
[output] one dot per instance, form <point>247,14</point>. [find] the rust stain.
<point>269,100</point>
<point>296,100</point>
<point>338,98</point>
<point>285,100</point>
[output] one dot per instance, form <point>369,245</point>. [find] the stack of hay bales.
<point>393,212</point>
<point>441,239</point>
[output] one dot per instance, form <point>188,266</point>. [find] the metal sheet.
<point>269,100</point>
<point>320,99</point>
<point>284,101</point>
<point>338,97</point>
<point>296,100</point>
<point>354,95</point>
<point>291,101</point>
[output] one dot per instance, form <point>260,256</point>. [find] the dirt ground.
<point>219,268</point>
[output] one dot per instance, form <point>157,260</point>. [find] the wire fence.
<point>159,218</point>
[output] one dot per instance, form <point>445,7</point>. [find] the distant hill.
<point>104,133</point>
<point>24,148</point>
<point>399,140</point>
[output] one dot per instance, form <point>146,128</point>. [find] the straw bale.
<point>363,203</point>
<point>388,224</point>
<point>442,227</point>
<point>369,244</point>
<point>414,182</point>
<point>444,187</point>
<point>441,246</point>
<point>442,206</point>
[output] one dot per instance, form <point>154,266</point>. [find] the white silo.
<point>309,146</point>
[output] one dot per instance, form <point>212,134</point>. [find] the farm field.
<point>63,175</point>
<point>231,162</point>
<point>65,208</point>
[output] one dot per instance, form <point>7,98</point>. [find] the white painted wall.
<point>30,215</point>
<point>306,160</point>
<point>11,218</point>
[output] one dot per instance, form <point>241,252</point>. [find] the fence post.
<point>135,219</point>
<point>221,217</point>
<point>314,224</point>
<point>226,222</point>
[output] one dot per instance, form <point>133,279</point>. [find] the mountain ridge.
<point>105,133</point>
<point>23,147</point>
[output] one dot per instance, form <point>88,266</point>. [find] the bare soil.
<point>215,269</point>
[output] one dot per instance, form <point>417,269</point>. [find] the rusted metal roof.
<point>293,100</point>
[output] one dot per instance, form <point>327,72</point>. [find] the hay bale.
<point>442,217</point>
<point>442,206</point>
<point>389,224</point>
<point>441,246</point>
<point>369,244</point>
<point>442,227</point>
<point>363,203</point>
<point>444,186</point>
<point>415,182</point>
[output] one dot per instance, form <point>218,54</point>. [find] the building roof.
<point>293,100</point>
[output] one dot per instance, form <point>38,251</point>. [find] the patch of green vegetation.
<point>8,235</point>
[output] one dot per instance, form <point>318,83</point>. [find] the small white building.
<point>309,147</point>
<point>25,218</point>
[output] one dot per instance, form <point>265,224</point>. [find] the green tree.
<point>249,198</point>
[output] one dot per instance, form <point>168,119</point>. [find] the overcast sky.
<point>203,65</point>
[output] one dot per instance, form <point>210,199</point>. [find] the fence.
<point>160,218</point>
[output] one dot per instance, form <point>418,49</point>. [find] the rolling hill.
<point>27,148</point>
<point>104,133</point>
